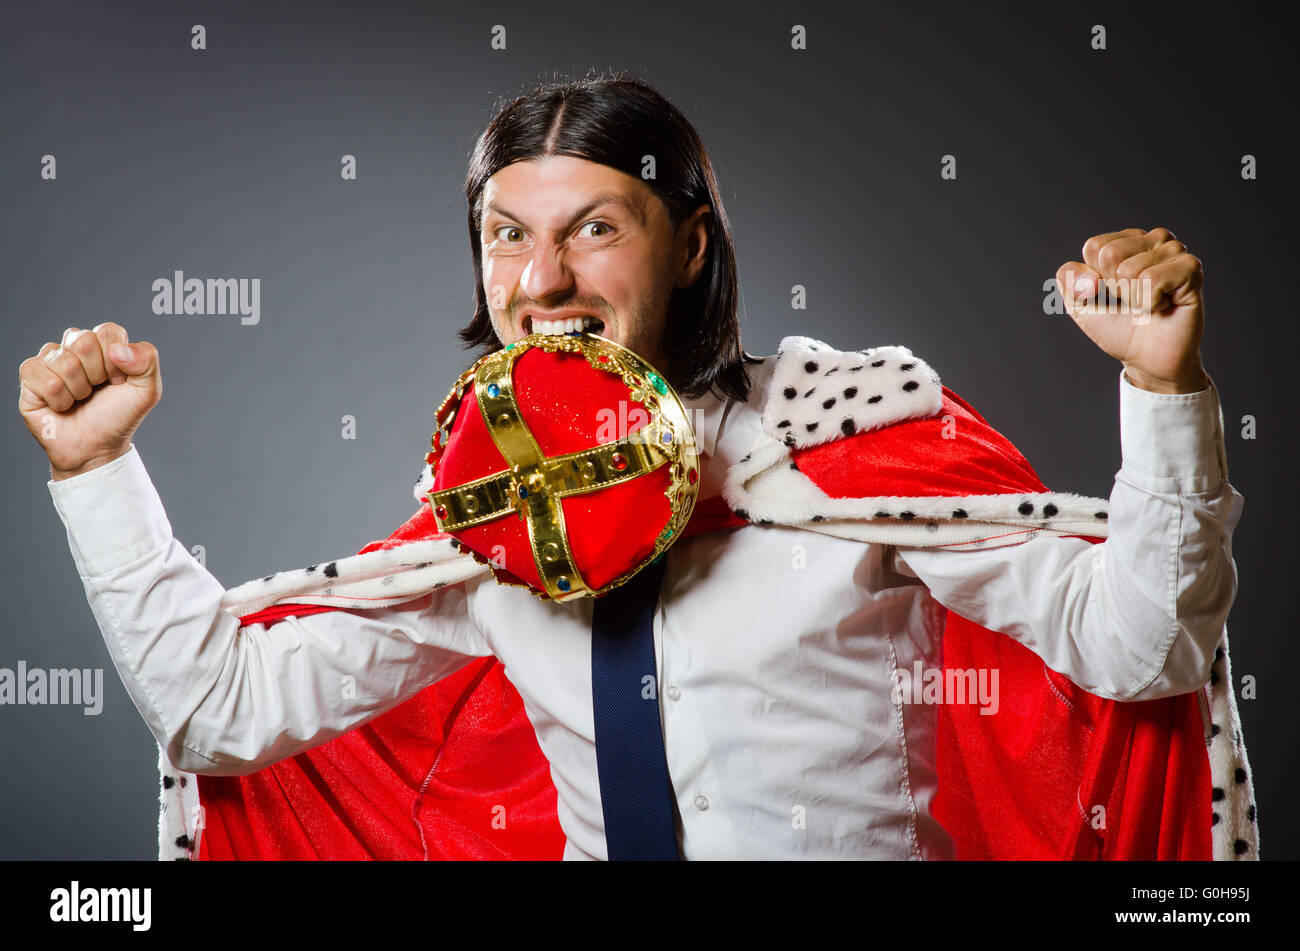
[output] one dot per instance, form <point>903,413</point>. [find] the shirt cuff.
<point>1172,442</point>
<point>112,514</point>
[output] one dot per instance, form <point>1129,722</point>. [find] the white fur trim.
<point>764,488</point>
<point>373,580</point>
<point>179,813</point>
<point>818,393</point>
<point>1236,832</point>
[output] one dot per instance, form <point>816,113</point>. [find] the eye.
<point>513,234</point>
<point>602,231</point>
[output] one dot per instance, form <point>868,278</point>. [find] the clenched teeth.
<point>566,326</point>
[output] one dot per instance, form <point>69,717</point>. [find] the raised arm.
<point>220,699</point>
<point>1138,616</point>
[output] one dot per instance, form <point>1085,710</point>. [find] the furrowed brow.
<point>599,201</point>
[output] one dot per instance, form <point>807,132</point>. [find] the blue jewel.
<point>493,390</point>
<point>563,584</point>
<point>523,493</point>
<point>667,437</point>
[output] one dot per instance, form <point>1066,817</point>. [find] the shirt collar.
<point>725,428</point>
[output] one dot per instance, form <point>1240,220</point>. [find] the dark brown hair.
<point>615,120</point>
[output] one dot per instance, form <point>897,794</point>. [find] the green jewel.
<point>510,346</point>
<point>657,382</point>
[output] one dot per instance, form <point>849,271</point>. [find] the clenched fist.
<point>1154,319</point>
<point>84,397</point>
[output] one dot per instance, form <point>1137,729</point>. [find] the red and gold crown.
<point>565,462</point>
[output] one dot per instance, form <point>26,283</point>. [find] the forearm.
<point>224,699</point>
<point>1140,615</point>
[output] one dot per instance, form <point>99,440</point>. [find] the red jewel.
<point>692,476</point>
<point>603,359</point>
<point>441,511</point>
<point>619,460</point>
<point>431,458</point>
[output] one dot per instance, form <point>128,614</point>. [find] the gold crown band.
<point>534,484</point>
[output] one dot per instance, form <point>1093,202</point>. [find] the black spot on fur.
<point>764,521</point>
<point>268,577</point>
<point>878,363</point>
<point>1214,678</point>
<point>827,404</point>
<point>906,366</point>
<point>818,518</point>
<point>332,570</point>
<point>958,513</point>
<point>1239,775</point>
<point>907,515</point>
<point>873,399</point>
<point>811,366</point>
<point>851,392</point>
<point>1101,515</point>
<point>832,370</point>
<point>794,466</point>
<point>883,514</point>
<point>810,392</point>
<point>168,782</point>
<point>1250,812</point>
<point>910,385</point>
<point>1218,653</point>
<point>1215,729</point>
<point>932,526</point>
<point>183,841</point>
<point>1049,510</point>
<point>1240,847</point>
<point>848,427</point>
<point>789,439</point>
<point>810,426</point>
<point>855,369</point>
<point>742,513</point>
<point>790,392</point>
<point>183,781</point>
<point>1217,795</point>
<point>311,568</point>
<point>1026,508</point>
<point>783,424</point>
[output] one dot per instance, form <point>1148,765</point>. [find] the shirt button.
<point>673,693</point>
<point>701,803</point>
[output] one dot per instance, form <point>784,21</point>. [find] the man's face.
<point>564,238</point>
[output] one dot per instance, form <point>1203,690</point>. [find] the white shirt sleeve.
<point>1139,615</point>
<point>223,699</point>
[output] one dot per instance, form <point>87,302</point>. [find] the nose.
<point>546,274</point>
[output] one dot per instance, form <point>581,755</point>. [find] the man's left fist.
<point>1148,313</point>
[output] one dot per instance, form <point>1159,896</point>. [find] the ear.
<point>691,246</point>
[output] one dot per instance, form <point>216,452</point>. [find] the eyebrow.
<point>605,198</point>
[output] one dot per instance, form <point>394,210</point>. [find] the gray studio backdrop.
<point>225,162</point>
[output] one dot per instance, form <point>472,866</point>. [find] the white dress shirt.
<point>776,647</point>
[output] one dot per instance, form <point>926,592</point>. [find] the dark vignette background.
<point>225,163</point>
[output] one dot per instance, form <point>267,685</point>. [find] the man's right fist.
<point>83,398</point>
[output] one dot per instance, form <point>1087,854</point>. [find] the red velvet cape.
<point>456,773</point>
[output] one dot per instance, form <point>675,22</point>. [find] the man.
<point>776,685</point>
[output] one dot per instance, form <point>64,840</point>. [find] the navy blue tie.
<point>635,794</point>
